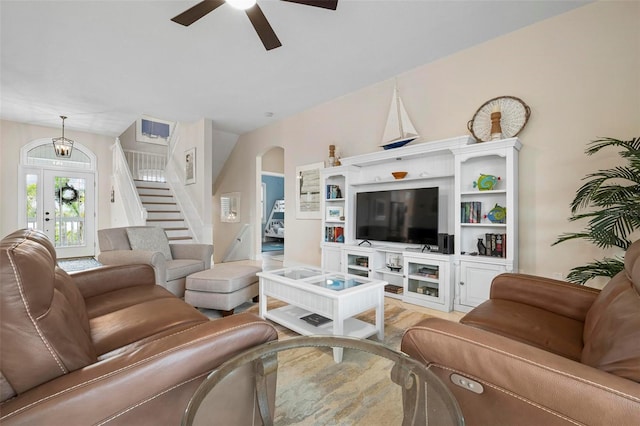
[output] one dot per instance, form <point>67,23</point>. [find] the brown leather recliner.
<point>105,346</point>
<point>542,352</point>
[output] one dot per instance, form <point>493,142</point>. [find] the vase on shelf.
<point>496,129</point>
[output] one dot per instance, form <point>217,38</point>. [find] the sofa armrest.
<point>104,279</point>
<point>128,257</point>
<point>560,297</point>
<point>150,384</point>
<point>193,251</point>
<point>522,383</point>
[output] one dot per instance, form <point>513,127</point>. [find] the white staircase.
<point>162,210</point>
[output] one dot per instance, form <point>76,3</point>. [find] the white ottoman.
<point>223,287</point>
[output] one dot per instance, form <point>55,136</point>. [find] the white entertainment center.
<point>459,279</point>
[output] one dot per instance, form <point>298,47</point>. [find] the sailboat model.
<point>399,130</point>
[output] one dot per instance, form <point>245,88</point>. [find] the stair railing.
<point>125,193</point>
<point>240,248</point>
<point>146,166</point>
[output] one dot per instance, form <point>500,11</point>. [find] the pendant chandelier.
<point>62,146</point>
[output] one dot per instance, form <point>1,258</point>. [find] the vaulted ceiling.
<point>104,63</point>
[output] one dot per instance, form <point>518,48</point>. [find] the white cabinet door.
<point>332,259</point>
<point>475,281</point>
<point>358,261</point>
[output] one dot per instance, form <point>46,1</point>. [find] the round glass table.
<point>296,382</point>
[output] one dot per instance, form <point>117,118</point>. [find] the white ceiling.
<point>104,63</point>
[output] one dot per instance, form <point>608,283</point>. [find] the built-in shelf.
<point>452,165</point>
<point>396,181</point>
<point>484,225</point>
<point>476,192</point>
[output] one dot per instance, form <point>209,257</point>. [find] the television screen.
<point>402,215</point>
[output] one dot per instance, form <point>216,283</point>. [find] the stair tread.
<point>148,190</point>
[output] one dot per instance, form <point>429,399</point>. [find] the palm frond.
<point>595,190</point>
<point>570,236</point>
<point>606,267</point>
<point>610,200</point>
<point>598,144</point>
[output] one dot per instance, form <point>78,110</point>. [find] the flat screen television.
<point>401,215</point>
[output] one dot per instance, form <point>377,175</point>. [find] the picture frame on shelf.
<point>308,191</point>
<point>334,214</point>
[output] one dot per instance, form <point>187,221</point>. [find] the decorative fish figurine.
<point>497,214</point>
<point>486,182</point>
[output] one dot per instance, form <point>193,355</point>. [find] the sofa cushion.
<point>612,327</point>
<point>113,239</point>
<point>65,285</point>
<point>150,239</point>
<point>180,268</point>
<point>112,301</point>
<point>529,324</point>
<point>142,320</point>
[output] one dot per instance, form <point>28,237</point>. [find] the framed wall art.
<point>190,166</point>
<point>153,130</point>
<point>308,191</point>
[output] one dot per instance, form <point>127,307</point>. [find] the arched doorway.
<point>272,212</point>
<point>57,196</point>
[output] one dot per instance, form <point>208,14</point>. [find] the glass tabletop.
<point>336,282</point>
<point>296,382</point>
<point>297,273</point>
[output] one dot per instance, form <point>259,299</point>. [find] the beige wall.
<point>579,74</point>
<point>14,136</point>
<point>273,161</point>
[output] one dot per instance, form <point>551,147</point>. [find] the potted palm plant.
<point>609,201</point>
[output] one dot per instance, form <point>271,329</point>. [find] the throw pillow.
<point>151,239</point>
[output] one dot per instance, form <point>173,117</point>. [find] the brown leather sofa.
<point>542,352</point>
<point>104,346</point>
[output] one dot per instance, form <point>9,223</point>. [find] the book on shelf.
<point>390,288</point>
<point>470,212</point>
<point>496,244</point>
<point>333,192</point>
<point>334,234</point>
<point>315,319</point>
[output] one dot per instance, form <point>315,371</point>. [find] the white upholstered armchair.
<point>150,245</point>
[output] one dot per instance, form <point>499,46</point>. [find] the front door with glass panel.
<point>60,203</point>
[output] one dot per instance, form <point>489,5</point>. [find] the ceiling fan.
<point>253,11</point>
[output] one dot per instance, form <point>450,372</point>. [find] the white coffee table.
<point>333,295</point>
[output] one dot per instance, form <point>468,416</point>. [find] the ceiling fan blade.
<point>263,28</point>
<point>326,4</point>
<point>191,15</point>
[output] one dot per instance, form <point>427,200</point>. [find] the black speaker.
<point>445,243</point>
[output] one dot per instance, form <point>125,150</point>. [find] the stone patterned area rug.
<point>78,264</point>
<point>313,390</point>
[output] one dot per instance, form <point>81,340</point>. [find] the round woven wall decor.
<point>514,116</point>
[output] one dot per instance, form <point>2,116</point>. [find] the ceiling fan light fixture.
<point>62,146</point>
<point>242,4</point>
